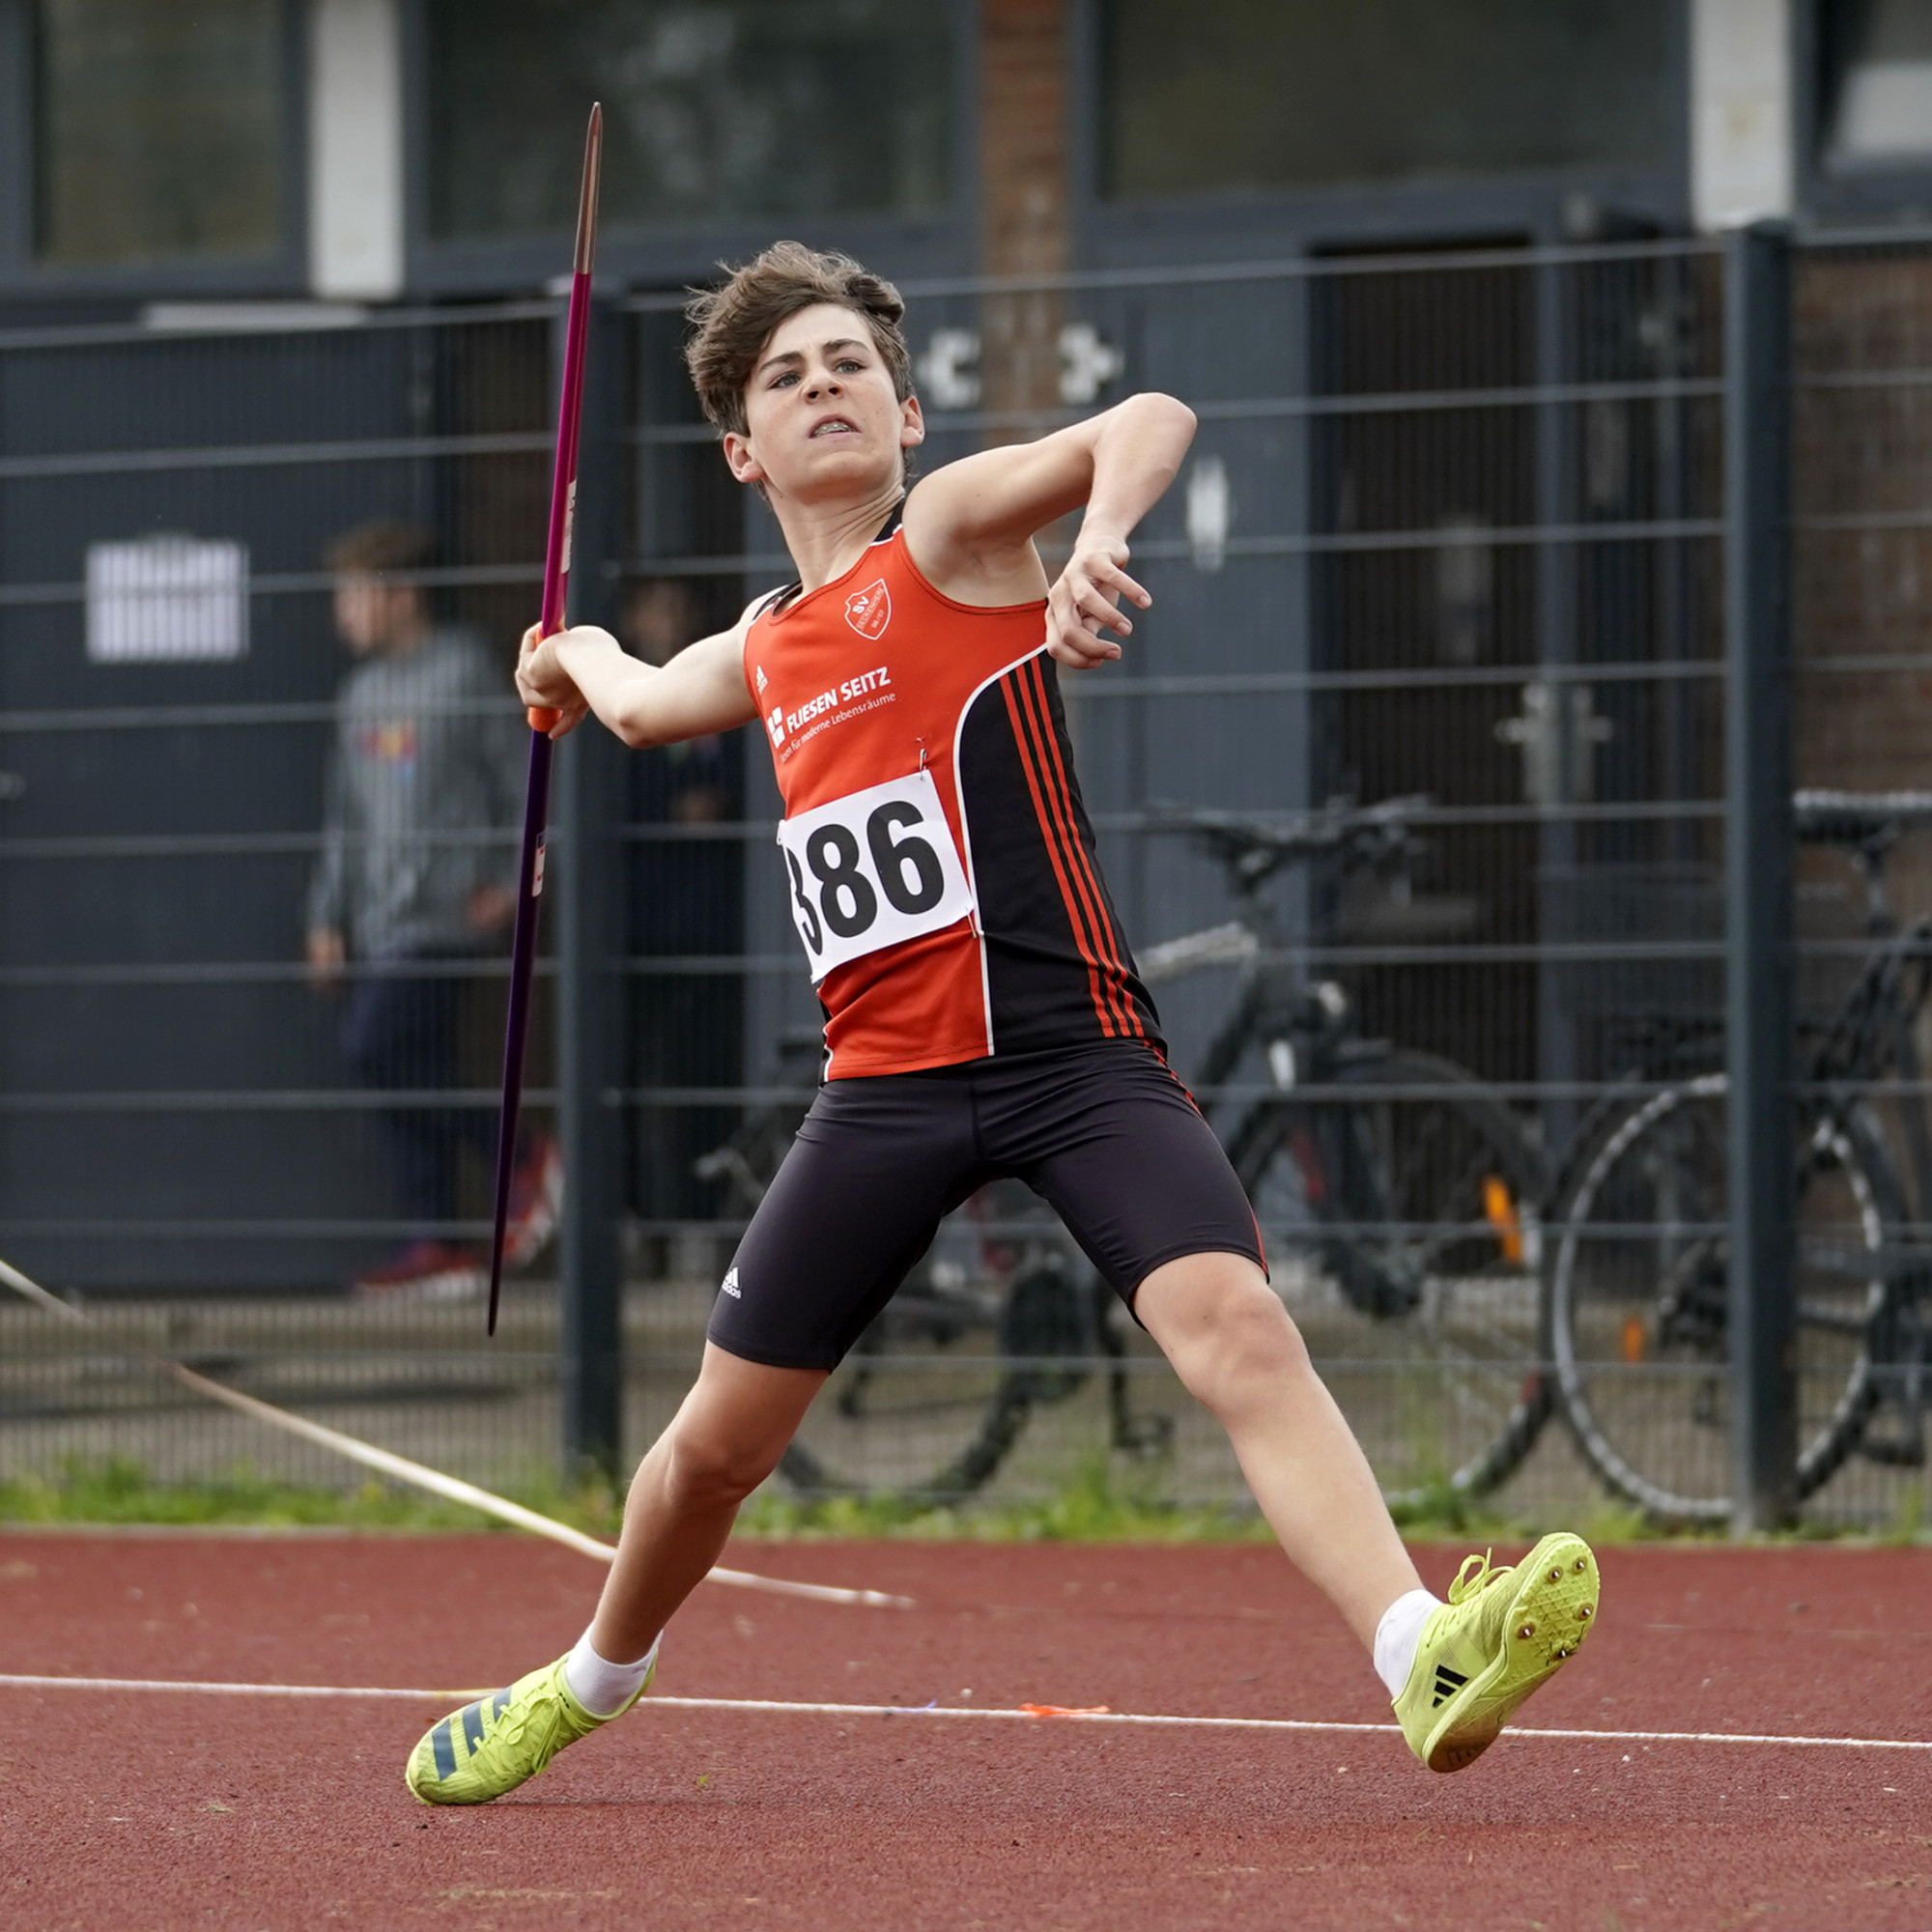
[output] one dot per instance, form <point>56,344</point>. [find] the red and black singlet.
<point>939,858</point>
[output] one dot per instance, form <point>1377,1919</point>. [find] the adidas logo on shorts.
<point>730,1285</point>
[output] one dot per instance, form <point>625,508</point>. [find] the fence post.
<point>1556,646</point>
<point>587,812</point>
<point>1757,874</point>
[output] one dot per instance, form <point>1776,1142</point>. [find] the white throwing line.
<point>118,1684</point>
<point>418,1474</point>
<point>1041,1715</point>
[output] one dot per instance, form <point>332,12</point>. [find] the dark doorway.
<point>1417,614</point>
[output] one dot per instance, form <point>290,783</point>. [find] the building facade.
<point>422,150</point>
<point>1228,181</point>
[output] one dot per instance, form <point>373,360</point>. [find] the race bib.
<point>871,869</point>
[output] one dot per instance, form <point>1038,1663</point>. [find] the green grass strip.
<point>1097,1503</point>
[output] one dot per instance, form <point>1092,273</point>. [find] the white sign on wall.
<point>167,599</point>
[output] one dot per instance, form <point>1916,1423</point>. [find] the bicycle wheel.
<point>1638,1298</point>
<point>1405,1230</point>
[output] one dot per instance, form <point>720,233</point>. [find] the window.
<point>158,129</point>
<point>1231,95</point>
<point>750,108</point>
<point>1877,85</point>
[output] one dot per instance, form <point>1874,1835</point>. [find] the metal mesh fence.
<point>202,1130</point>
<point>1410,790</point>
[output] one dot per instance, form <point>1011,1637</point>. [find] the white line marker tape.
<point>1034,1717</point>
<point>416,1474</point>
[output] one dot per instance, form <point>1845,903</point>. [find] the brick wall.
<point>1862,451</point>
<point>1025,197</point>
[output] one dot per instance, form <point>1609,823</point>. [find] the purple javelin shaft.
<point>556,600</point>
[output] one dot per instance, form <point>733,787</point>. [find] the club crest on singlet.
<point>871,869</point>
<point>869,611</point>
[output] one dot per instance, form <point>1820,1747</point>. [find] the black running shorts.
<point>1102,1131</point>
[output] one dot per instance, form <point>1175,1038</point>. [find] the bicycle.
<point>1004,1310</point>
<point>1398,1196</point>
<point>1638,1280</point>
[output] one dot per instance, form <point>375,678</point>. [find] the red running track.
<point>138,1809</point>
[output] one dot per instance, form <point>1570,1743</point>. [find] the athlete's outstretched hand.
<point>1084,603</point>
<point>542,681</point>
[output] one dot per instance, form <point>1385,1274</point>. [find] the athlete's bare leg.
<point>1239,1354</point>
<point>726,1439</point>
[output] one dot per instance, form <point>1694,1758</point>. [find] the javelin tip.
<point>586,206</point>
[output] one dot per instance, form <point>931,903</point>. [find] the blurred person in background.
<point>426,764</point>
<point>688,781</point>
<point>687,899</point>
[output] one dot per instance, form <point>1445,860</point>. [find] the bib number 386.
<point>871,869</point>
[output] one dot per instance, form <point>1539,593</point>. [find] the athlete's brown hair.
<point>387,547</point>
<point>734,322</point>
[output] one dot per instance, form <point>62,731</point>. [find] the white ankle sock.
<point>601,1687</point>
<point>1398,1636</point>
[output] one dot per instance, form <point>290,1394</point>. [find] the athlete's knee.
<point>1255,1340</point>
<point>1233,1341</point>
<point>706,1466</point>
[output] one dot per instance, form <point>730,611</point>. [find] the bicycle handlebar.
<point>1858,817</point>
<point>1339,826</point>
<point>1819,817</point>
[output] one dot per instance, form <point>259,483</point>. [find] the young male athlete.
<point>982,1014</point>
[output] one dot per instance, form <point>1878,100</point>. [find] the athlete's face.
<point>822,421</point>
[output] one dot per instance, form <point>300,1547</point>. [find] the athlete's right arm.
<point>583,669</point>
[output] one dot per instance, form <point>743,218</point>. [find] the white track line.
<point>399,1467</point>
<point>1051,1714</point>
<point>115,1684</point>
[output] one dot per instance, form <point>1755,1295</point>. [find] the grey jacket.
<point>424,800</point>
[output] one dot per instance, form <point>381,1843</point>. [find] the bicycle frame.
<point>1307,1032</point>
<point>1872,1035</point>
<point>1305,1027</point>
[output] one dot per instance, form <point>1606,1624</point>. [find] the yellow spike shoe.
<point>503,1740</point>
<point>1501,1634</point>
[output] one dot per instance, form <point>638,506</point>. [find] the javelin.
<point>556,598</point>
<point>386,1462</point>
